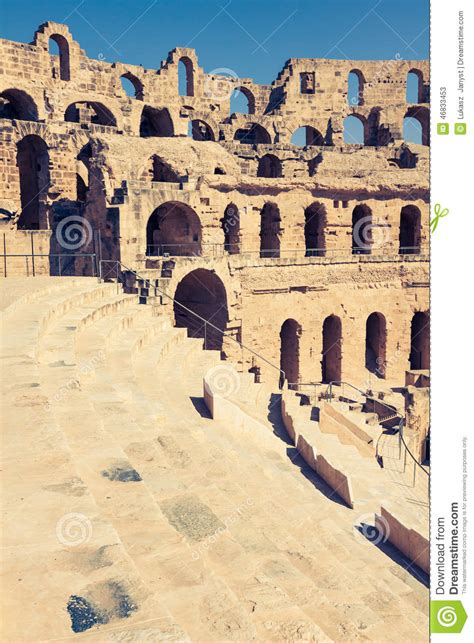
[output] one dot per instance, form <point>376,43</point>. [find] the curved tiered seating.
<point>130,515</point>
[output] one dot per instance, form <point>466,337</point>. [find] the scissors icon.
<point>439,214</point>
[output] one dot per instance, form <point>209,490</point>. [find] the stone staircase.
<point>130,515</point>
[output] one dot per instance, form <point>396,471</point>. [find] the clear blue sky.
<point>253,38</point>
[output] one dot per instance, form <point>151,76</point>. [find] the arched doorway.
<point>376,344</point>
<point>331,361</point>
<point>132,86</point>
<point>231,227</point>
<point>290,334</point>
<point>242,101</point>
<point>314,230</point>
<point>62,51</point>
<point>355,130</point>
<point>174,229</point>
<point>155,122</point>
<point>200,297</point>
<point>270,231</point>
<point>410,230</point>
<point>185,77</point>
<point>269,166</point>
<point>420,342</point>
<point>33,166</point>
<point>361,230</point>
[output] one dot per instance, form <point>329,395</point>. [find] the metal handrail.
<point>205,321</point>
<point>401,424</point>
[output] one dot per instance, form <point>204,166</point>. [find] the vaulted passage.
<point>420,342</point>
<point>173,229</point>
<point>361,230</point>
<point>331,361</point>
<point>410,230</point>
<point>270,231</point>
<point>314,230</point>
<point>231,227</point>
<point>88,112</point>
<point>200,131</point>
<point>269,166</point>
<point>253,134</point>
<point>290,352</point>
<point>201,297</point>
<point>33,166</point>
<point>156,122</point>
<point>376,344</point>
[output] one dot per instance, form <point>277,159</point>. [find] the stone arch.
<point>355,88</point>
<point>155,122</point>
<point>315,218</point>
<point>270,231</point>
<point>92,112</point>
<point>356,130</point>
<point>420,341</point>
<point>64,57</point>
<point>231,228</point>
<point>414,86</point>
<point>331,356</point>
<point>410,230</point>
<point>270,167</point>
<point>253,134</point>
<point>33,167</point>
<point>186,69</point>
<point>309,134</point>
<point>422,116</point>
<point>134,82</point>
<point>200,297</point>
<point>17,104</point>
<point>290,334</point>
<point>376,344</point>
<point>244,91</point>
<point>174,228</point>
<point>201,131</point>
<point>361,230</point>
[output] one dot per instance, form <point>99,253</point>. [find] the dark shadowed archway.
<point>17,104</point>
<point>361,230</point>
<point>331,361</point>
<point>314,230</point>
<point>290,352</point>
<point>410,230</point>
<point>201,297</point>
<point>270,231</point>
<point>420,341</point>
<point>376,344</point>
<point>231,228</point>
<point>33,166</point>
<point>174,229</point>
<point>155,122</point>
<point>269,166</point>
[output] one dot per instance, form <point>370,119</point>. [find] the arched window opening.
<point>86,112</point>
<point>201,297</point>
<point>174,229</point>
<point>331,362</point>
<point>290,334</point>
<point>17,104</point>
<point>361,230</point>
<point>185,77</point>
<point>269,166</point>
<point>410,230</point>
<point>231,227</point>
<point>242,101</point>
<point>420,342</point>
<point>132,86</point>
<point>270,231</point>
<point>355,130</point>
<point>414,93</point>
<point>306,136</point>
<point>314,230</point>
<point>33,166</point>
<point>355,88</point>
<point>201,131</point>
<point>376,344</point>
<point>162,172</point>
<point>416,126</point>
<point>59,47</point>
<point>254,134</point>
<point>156,122</point>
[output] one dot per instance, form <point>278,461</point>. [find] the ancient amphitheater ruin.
<point>215,348</point>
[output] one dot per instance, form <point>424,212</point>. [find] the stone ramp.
<point>131,515</point>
